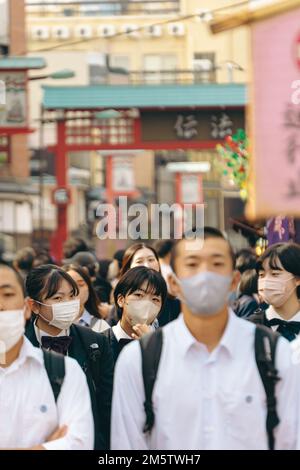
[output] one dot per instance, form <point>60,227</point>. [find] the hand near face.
<point>140,330</point>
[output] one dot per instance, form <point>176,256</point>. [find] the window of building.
<point>159,68</point>
<point>204,67</point>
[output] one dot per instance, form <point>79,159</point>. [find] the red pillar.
<point>61,167</point>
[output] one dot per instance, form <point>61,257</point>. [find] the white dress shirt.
<point>119,332</point>
<point>204,400</point>
<point>96,324</point>
<point>28,410</point>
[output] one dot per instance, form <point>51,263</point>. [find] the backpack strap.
<point>265,348</point>
<point>55,367</point>
<point>151,346</point>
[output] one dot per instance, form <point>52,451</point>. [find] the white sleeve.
<point>288,397</point>
<point>128,415</point>
<point>74,411</point>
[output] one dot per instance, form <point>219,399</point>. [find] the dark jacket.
<point>245,306</point>
<point>97,364</point>
<point>116,346</point>
<point>170,311</point>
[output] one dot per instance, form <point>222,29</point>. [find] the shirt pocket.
<point>40,420</point>
<point>245,419</point>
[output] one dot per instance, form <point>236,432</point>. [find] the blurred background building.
<point>134,44</point>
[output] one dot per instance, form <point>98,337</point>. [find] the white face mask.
<point>205,293</point>
<point>142,311</point>
<point>12,327</point>
<point>64,313</point>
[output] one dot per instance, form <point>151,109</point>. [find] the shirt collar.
<point>271,313</point>
<point>27,351</point>
<point>86,317</point>
<point>119,332</point>
<point>40,333</point>
<point>186,340</point>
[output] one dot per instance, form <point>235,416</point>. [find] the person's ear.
<point>236,279</point>
<point>32,305</point>
<point>27,308</point>
<point>297,281</point>
<point>174,285</point>
<point>121,301</point>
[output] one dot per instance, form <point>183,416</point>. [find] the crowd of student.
<point>178,345</point>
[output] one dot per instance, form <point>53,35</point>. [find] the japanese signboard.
<point>13,113</point>
<point>275,116</point>
<point>196,125</point>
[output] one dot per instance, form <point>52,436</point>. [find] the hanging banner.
<point>123,180</point>
<point>191,189</point>
<point>275,116</point>
<point>14,112</point>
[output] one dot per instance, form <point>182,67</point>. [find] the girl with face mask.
<point>89,312</point>
<point>54,301</point>
<point>138,255</point>
<point>278,286</point>
<point>139,297</point>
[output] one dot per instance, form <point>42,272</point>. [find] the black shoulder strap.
<point>151,346</point>
<point>265,348</point>
<point>109,334</point>
<point>55,367</point>
<point>258,317</point>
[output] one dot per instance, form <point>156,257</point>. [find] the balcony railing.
<point>102,8</point>
<point>151,77</point>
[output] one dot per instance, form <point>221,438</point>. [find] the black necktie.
<point>288,329</point>
<point>58,344</point>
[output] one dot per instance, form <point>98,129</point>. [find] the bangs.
<point>54,282</point>
<point>152,288</point>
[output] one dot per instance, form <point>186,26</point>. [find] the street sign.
<point>61,196</point>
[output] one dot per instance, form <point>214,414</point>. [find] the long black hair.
<point>92,303</point>
<point>289,256</point>
<point>44,281</point>
<point>133,280</point>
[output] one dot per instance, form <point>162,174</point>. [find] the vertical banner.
<point>123,180</point>
<point>274,114</point>
<point>191,189</point>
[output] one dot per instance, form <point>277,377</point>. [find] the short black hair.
<point>134,278</point>
<point>207,232</point>
<point>163,247</point>
<point>44,281</point>
<point>245,260</point>
<point>92,304</point>
<point>289,256</point>
<point>119,255</point>
<point>249,282</point>
<point>17,274</point>
<point>73,246</point>
<point>24,258</point>
<point>87,260</point>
